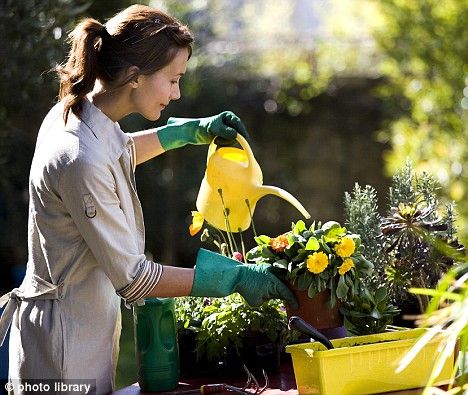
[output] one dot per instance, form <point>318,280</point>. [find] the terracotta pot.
<point>318,313</point>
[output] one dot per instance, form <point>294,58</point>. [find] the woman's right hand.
<point>217,275</point>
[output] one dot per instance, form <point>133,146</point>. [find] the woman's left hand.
<point>225,125</point>
<point>182,131</point>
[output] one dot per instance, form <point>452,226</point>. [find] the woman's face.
<point>153,92</point>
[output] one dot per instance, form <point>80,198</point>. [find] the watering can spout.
<point>271,190</point>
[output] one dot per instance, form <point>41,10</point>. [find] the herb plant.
<point>401,243</point>
<point>368,312</point>
<point>222,324</point>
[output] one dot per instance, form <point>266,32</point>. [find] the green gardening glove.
<point>217,275</point>
<point>182,131</point>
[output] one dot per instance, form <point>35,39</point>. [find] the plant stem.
<point>242,242</point>
<point>251,217</point>
<point>423,300</point>
<point>222,235</point>
<point>226,221</point>
<point>234,241</point>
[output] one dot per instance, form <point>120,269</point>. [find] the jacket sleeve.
<point>89,194</point>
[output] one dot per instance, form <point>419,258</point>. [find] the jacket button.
<point>60,291</point>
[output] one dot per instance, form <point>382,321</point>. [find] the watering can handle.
<point>243,143</point>
<point>211,150</point>
<point>246,147</point>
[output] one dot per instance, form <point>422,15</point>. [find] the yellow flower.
<point>345,247</point>
<point>406,210</point>
<point>197,223</point>
<point>346,266</point>
<point>279,244</point>
<point>317,262</point>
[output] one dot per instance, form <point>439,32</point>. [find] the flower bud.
<point>224,249</point>
<point>205,236</point>
<point>238,256</point>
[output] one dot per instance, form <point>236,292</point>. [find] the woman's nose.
<point>175,93</point>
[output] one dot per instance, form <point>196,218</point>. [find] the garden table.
<point>282,383</point>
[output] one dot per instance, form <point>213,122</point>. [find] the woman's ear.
<point>132,74</point>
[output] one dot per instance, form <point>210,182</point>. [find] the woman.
<point>86,232</point>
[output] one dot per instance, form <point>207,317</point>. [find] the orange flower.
<point>197,223</point>
<point>279,244</point>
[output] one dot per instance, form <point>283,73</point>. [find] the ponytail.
<point>78,75</point>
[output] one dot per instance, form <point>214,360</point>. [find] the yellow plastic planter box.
<point>364,364</point>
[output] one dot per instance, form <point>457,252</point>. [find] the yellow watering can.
<point>232,186</point>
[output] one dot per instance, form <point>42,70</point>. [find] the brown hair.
<point>137,36</point>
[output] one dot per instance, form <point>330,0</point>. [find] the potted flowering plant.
<point>316,258</point>
<point>323,262</point>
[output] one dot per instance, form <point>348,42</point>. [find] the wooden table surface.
<point>282,383</point>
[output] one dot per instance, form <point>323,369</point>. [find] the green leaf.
<point>300,257</point>
<point>357,240</point>
<point>254,254</point>
<point>368,296</point>
<point>341,289</point>
<point>325,275</point>
<point>352,313</point>
<point>348,280</point>
<point>267,253</point>
<point>299,227</point>
<point>291,239</point>
<point>321,284</point>
<point>334,234</point>
<point>297,238</point>
<point>332,287</point>
<point>282,263</point>
<point>380,295</point>
<point>363,266</point>
<point>312,244</point>
<point>325,247</point>
<point>312,290</point>
<point>262,239</point>
<point>327,226</point>
<point>376,314</point>
<point>305,280</point>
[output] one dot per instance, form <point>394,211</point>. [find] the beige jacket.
<point>86,252</point>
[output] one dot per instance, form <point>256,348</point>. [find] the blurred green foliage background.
<point>332,91</point>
